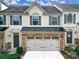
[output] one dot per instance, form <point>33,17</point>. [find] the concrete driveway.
<point>43,55</point>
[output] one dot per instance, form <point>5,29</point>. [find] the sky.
<point>42,2</point>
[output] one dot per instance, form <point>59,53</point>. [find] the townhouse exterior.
<point>37,27</point>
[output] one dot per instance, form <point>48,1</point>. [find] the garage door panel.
<point>43,44</point>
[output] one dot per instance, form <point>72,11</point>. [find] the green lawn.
<point>9,56</point>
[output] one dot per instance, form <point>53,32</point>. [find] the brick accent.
<point>62,41</point>
<point>76,41</point>
<point>7,45</point>
<point>24,40</point>
<point>1,41</point>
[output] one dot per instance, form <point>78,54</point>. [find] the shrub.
<point>77,50</point>
<point>4,52</point>
<point>19,50</point>
<point>10,56</point>
<point>68,50</point>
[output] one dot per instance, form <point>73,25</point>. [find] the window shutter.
<point>20,20</point>
<point>65,18</point>
<point>58,20</point>
<point>30,20</point>
<point>74,18</point>
<point>10,20</point>
<point>39,20</point>
<point>50,20</point>
<point>4,20</point>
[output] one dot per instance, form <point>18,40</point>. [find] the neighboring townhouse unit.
<point>37,27</point>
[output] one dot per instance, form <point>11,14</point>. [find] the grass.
<point>10,56</point>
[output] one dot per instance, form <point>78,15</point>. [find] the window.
<point>38,37</point>
<point>29,37</point>
<point>54,20</point>
<point>70,18</point>
<point>2,20</point>
<point>16,40</point>
<point>35,20</point>
<point>55,38</point>
<point>46,37</point>
<point>16,20</point>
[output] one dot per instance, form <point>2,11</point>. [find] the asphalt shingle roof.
<point>69,7</point>
<point>48,9</point>
<point>51,9</point>
<point>22,9</point>
<point>16,9</point>
<point>43,29</point>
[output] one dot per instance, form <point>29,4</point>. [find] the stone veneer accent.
<point>1,41</point>
<point>24,41</point>
<point>76,41</point>
<point>7,45</point>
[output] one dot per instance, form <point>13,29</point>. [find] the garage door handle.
<point>57,47</point>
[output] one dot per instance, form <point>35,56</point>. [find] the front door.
<point>69,37</point>
<point>16,40</point>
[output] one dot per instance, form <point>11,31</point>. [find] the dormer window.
<point>69,18</point>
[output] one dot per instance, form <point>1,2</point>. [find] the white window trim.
<point>14,20</point>
<point>2,19</point>
<point>72,18</point>
<point>35,20</point>
<point>54,20</point>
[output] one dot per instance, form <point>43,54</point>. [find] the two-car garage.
<point>42,43</point>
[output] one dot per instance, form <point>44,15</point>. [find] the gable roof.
<point>69,7</point>
<point>22,9</point>
<point>35,3</point>
<point>47,9</point>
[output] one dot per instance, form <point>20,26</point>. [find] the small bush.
<point>77,50</point>
<point>69,49</point>
<point>4,52</point>
<point>10,56</point>
<point>19,50</point>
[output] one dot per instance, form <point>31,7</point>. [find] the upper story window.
<point>35,20</point>
<point>70,18</point>
<point>2,19</point>
<point>54,20</point>
<point>15,20</point>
